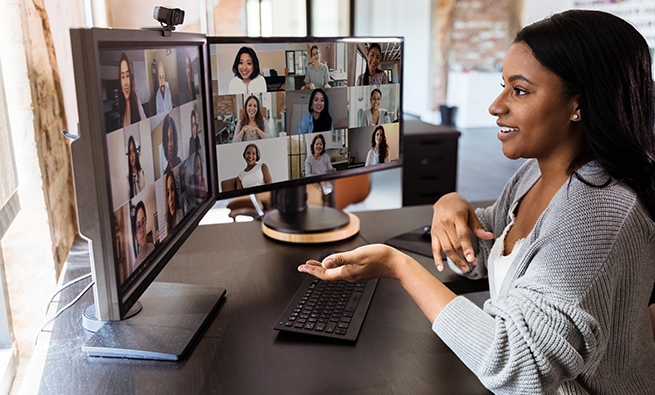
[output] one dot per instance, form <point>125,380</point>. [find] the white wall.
<point>536,10</point>
<point>410,19</point>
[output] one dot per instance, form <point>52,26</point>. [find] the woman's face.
<point>378,137</point>
<point>245,66</point>
<point>316,55</point>
<point>318,146</point>
<point>197,169</point>
<point>252,108</point>
<point>126,87</point>
<point>535,119</point>
<point>373,60</point>
<point>170,195</point>
<point>376,100</point>
<point>141,224</point>
<point>251,156</point>
<point>194,126</point>
<point>171,143</point>
<point>132,154</point>
<point>318,103</point>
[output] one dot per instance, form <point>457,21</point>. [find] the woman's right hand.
<point>452,218</point>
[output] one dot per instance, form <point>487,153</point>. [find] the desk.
<point>240,353</point>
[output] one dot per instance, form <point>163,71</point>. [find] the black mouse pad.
<point>412,241</point>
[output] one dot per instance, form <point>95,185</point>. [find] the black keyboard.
<point>334,309</point>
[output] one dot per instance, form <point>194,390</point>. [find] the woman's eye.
<point>519,92</point>
<point>502,85</point>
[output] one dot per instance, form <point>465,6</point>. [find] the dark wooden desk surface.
<point>240,353</point>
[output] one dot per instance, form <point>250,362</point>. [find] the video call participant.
<point>318,119</point>
<point>247,77</point>
<point>129,105</point>
<point>255,173</point>
<point>379,152</point>
<point>139,228</point>
<point>194,140</point>
<point>317,74</point>
<point>169,142</point>
<point>174,213</point>
<point>187,89</point>
<point>375,115</point>
<point>136,179</point>
<point>163,96</point>
<point>373,75</point>
<point>198,182</point>
<point>568,246</point>
<point>318,162</point>
<point>252,125</point>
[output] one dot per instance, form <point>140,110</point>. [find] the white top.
<point>372,158</point>
<point>252,178</point>
<point>257,85</point>
<point>312,166</point>
<point>499,264</point>
<point>383,118</point>
<point>247,137</point>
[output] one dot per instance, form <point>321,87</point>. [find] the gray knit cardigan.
<point>571,316</point>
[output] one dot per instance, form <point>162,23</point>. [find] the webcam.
<point>169,17</point>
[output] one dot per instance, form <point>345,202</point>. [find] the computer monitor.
<point>169,124</point>
<point>143,175</point>
<point>284,99</point>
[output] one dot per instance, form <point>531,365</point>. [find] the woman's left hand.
<point>363,263</point>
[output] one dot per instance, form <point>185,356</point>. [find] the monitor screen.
<point>288,111</point>
<point>144,134</point>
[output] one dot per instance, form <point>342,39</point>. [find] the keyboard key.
<point>309,326</point>
<point>343,325</point>
<point>319,327</point>
<point>329,328</point>
<point>354,300</point>
<point>340,331</point>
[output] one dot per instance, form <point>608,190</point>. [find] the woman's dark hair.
<point>324,120</point>
<point>170,217</point>
<point>311,50</point>
<point>255,63</point>
<point>383,152</point>
<point>139,206</point>
<point>376,90</point>
<point>605,61</point>
<point>259,120</point>
<point>256,151</point>
<point>169,123</point>
<point>366,73</point>
<point>134,102</point>
<point>317,137</point>
<point>137,163</point>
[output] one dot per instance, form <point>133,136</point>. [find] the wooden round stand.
<point>325,237</point>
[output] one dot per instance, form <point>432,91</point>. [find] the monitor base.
<point>172,317</point>
<point>314,215</point>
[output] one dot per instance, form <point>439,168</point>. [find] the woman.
<point>571,266</point>
<point>174,212</point>
<point>255,173</point>
<point>140,229</point>
<point>317,74</point>
<point>194,140</point>
<point>252,125</point>
<point>318,119</point>
<point>169,143</point>
<point>379,152</point>
<point>318,162</point>
<point>136,179</point>
<point>199,184</point>
<point>375,115</point>
<point>129,105</point>
<point>247,77</point>
<point>372,75</point>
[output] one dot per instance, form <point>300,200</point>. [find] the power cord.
<point>71,303</point>
<point>63,287</point>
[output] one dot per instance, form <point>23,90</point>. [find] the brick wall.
<point>470,35</point>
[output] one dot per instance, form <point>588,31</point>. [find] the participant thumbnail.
<point>374,105</point>
<point>316,111</point>
<point>252,68</point>
<point>236,161</point>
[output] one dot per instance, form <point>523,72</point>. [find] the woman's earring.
<point>576,116</point>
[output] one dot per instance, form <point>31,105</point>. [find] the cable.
<point>63,287</point>
<point>57,314</point>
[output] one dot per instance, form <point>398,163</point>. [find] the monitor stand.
<point>170,319</point>
<point>294,221</point>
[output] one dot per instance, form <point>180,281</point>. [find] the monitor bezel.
<point>95,212</point>
<point>323,177</point>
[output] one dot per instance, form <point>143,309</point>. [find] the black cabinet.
<point>430,162</point>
